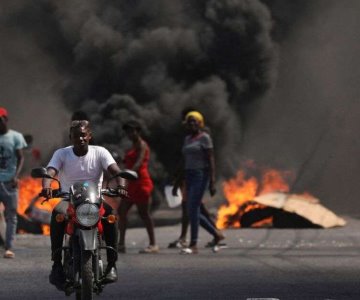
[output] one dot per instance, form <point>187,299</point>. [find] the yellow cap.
<point>197,116</point>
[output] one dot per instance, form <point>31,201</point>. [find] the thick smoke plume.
<point>311,122</point>
<point>271,78</point>
<point>148,60</point>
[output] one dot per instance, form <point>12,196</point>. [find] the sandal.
<point>9,254</point>
<point>150,249</point>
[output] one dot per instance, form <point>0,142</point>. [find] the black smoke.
<point>148,60</point>
<point>275,79</point>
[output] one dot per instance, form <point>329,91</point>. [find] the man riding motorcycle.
<point>80,162</point>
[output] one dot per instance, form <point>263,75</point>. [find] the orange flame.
<point>29,189</point>
<point>240,190</point>
<point>273,180</point>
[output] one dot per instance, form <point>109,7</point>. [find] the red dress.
<point>140,189</point>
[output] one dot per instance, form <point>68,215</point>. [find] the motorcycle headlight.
<point>87,214</point>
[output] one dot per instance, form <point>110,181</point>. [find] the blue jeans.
<point>9,197</point>
<point>197,181</point>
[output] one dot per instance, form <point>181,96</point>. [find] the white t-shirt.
<point>74,168</point>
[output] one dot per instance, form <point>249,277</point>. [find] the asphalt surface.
<point>258,264</point>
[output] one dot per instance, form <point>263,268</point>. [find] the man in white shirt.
<point>80,162</point>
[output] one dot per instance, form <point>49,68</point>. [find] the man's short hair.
<point>79,123</point>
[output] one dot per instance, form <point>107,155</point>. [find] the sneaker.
<point>189,250</point>
<point>213,243</point>
<point>150,249</point>
<point>219,237</point>
<point>9,254</point>
<point>180,243</point>
<point>57,276</point>
<point>111,274</point>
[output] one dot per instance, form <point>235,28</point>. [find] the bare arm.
<point>46,183</point>
<point>211,157</point>
<point>113,170</point>
<point>139,160</point>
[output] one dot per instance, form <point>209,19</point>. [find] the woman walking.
<point>137,159</point>
<point>199,166</point>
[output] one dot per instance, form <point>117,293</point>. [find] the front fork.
<point>88,240</point>
<point>72,258</point>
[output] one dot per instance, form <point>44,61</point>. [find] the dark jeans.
<point>57,231</point>
<point>196,183</point>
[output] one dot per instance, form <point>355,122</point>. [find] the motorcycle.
<point>83,242</point>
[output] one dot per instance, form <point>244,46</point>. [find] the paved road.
<point>259,263</point>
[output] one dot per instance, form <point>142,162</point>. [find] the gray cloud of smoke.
<point>311,121</point>
<point>30,85</point>
<point>149,59</point>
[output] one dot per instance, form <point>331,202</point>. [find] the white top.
<point>74,168</point>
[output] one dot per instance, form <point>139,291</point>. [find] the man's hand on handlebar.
<point>46,193</point>
<point>122,191</point>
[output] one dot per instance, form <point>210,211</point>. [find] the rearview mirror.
<point>40,173</point>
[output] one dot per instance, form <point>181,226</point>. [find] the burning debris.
<point>251,203</point>
<point>305,209</point>
<point>33,214</point>
<point>269,204</point>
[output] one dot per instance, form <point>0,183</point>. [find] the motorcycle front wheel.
<point>86,291</point>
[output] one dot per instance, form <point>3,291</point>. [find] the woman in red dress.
<point>137,159</point>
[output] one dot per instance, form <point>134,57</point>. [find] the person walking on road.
<point>12,144</point>
<point>137,159</point>
<point>179,176</point>
<point>199,166</point>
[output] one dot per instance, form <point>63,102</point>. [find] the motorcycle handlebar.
<point>60,194</point>
<point>57,193</point>
<point>110,192</point>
